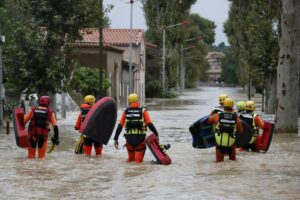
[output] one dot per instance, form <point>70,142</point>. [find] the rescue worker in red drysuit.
<point>135,119</point>
<point>40,117</point>
<point>227,125</point>
<point>219,108</point>
<point>254,121</point>
<point>88,143</point>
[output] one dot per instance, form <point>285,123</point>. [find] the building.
<point>214,59</point>
<point>116,53</point>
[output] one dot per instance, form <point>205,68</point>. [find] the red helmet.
<point>44,100</point>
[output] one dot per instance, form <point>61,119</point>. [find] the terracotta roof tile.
<point>96,45</point>
<point>115,37</point>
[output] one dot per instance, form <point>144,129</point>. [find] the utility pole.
<point>63,100</point>
<point>249,87</point>
<point>182,67</point>
<point>2,40</point>
<point>130,51</point>
<point>184,23</point>
<point>164,58</point>
<point>181,70</point>
<point>101,61</point>
<point>63,92</point>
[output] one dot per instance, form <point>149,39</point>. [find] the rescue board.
<point>263,142</point>
<point>245,137</point>
<point>203,134</point>
<point>158,150</point>
<point>21,133</point>
<point>100,121</point>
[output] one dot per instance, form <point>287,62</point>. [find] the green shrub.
<point>153,89</point>
<point>169,94</point>
<point>86,81</point>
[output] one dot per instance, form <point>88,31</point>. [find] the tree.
<point>288,68</point>
<point>206,28</point>
<point>252,32</point>
<point>164,13</point>
<point>37,55</point>
<point>194,58</point>
<point>230,68</point>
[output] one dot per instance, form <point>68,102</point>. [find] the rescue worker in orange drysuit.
<point>40,117</point>
<point>227,125</point>
<point>219,108</point>
<point>255,122</point>
<point>136,119</point>
<point>89,101</point>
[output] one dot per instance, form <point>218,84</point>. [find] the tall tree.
<point>37,57</point>
<point>205,27</point>
<point>288,68</point>
<point>255,42</point>
<point>230,68</point>
<point>162,13</point>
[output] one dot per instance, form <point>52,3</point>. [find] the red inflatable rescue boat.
<point>263,142</point>
<point>159,151</point>
<point>19,128</point>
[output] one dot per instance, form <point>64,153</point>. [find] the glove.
<point>116,144</point>
<point>55,140</point>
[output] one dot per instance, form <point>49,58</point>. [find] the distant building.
<point>214,59</point>
<point>116,53</point>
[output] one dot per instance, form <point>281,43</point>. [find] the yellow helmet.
<point>89,99</point>
<point>133,98</point>
<point>222,97</point>
<point>228,103</point>
<point>250,106</point>
<point>240,105</point>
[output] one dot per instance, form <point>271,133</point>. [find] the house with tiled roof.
<point>214,59</point>
<point>116,58</point>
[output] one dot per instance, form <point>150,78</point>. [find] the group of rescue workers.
<point>136,119</point>
<point>227,125</point>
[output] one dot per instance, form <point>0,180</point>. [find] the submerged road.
<point>194,174</point>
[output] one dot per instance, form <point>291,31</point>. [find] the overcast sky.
<point>215,10</point>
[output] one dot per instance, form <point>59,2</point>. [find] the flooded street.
<point>194,174</point>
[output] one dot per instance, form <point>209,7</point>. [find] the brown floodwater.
<point>194,174</point>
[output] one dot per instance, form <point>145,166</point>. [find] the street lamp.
<point>2,40</point>
<point>184,23</point>
<point>130,50</point>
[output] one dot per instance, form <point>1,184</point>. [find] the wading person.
<point>240,105</point>
<point>220,107</point>
<point>40,117</point>
<point>135,119</point>
<point>227,126</point>
<point>254,121</point>
<point>88,142</point>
